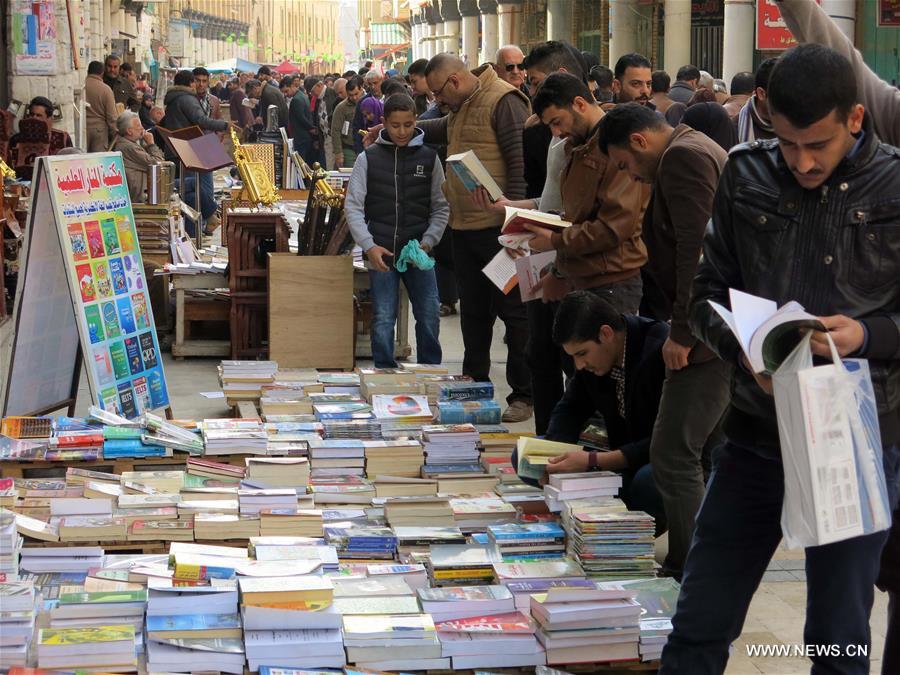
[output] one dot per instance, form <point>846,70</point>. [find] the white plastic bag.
<point>834,486</point>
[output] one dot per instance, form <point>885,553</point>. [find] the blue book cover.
<point>525,531</point>
<point>466,391</point>
<point>126,315</point>
<point>188,622</point>
<point>469,412</point>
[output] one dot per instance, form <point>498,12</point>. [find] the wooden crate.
<point>311,316</point>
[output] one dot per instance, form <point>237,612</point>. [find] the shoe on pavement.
<point>518,411</point>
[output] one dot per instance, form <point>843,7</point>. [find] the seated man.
<point>36,137</point>
<point>139,151</point>
<point>620,376</point>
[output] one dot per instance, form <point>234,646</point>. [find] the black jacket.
<point>183,110</point>
<point>301,122</point>
<point>398,190</point>
<point>835,250</point>
<point>271,95</point>
<point>587,394</point>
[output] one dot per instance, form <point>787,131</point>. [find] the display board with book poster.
<point>83,283</point>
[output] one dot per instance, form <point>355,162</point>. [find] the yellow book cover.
<point>81,636</point>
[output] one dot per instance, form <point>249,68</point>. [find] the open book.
<point>529,270</point>
<point>534,455</point>
<point>766,333</point>
<point>517,218</point>
<point>469,169</point>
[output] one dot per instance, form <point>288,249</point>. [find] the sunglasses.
<point>513,66</point>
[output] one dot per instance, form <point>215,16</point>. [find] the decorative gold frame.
<point>259,188</point>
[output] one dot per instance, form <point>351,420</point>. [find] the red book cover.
<point>511,622</point>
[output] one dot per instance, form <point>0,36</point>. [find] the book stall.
<point>367,520</point>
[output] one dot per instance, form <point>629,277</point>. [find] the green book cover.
<point>102,597</point>
<point>119,360</point>
<point>110,236</point>
<point>95,324</point>
<point>122,433</point>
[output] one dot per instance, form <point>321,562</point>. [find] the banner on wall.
<point>33,36</point>
<point>771,31</point>
<point>889,12</point>
<point>96,245</point>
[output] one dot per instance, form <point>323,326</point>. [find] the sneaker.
<point>518,411</point>
<point>448,309</point>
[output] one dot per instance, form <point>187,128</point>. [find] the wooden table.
<point>200,310</point>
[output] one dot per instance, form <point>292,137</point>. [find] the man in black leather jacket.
<point>812,217</point>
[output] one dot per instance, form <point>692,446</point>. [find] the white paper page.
<point>750,312</point>
<point>501,270</point>
<point>528,269</point>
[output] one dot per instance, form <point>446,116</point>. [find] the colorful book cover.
<point>95,239</point>
<point>142,394</point>
<point>78,242</point>
<point>126,234</point>
<point>102,280</point>
<point>98,635</point>
<point>110,320</point>
<point>103,366</point>
<point>512,622</point>
<point>133,273</point>
<point>133,350</point>
<point>139,307</point>
<point>148,350</point>
<point>191,622</point>
<point>119,359</point>
<point>102,597</point>
<point>109,400</point>
<point>95,324</point>
<point>110,236</point>
<point>86,283</point>
<point>126,400</point>
<point>158,393</point>
<point>117,272</point>
<point>126,316</point>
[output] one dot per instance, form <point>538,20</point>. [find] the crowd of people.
<point>780,183</point>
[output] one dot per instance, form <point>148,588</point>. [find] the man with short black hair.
<point>603,77</point>
<point>209,104</point>
<point>741,90</point>
<point>686,80</point>
<point>753,121</point>
<point>660,85</point>
<point>802,218</point>
<point>303,125</point>
<point>122,87</point>
<point>100,111</point>
<point>242,115</point>
<point>342,122</point>
<point>633,80</point>
<point>270,95</point>
<point>683,167</point>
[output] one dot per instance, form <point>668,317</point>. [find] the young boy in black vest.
<point>394,196</point>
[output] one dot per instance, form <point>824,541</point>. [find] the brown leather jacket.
<point>605,206</point>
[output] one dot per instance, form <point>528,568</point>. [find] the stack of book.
<point>337,458</point>
<point>476,514</point>
<point>17,598</point>
<point>234,436</point>
<point>346,410</point>
<point>393,381</point>
<point>461,565</point>
<point>198,562</point>
<point>528,541</point>
<point>60,559</point>
<point>465,602</point>
<point>278,472</point>
<point>121,441</point>
<point>587,626</point>
<point>523,590</point>
<point>611,544</point>
<point>398,458</point>
<point>468,412</point>
<point>419,512</point>
<point>217,526</point>
<point>253,501</point>
<point>415,539</point>
<point>401,411</point>
<point>548,571</point>
<point>215,471</point>
<point>465,391</point>
<point>243,380</point>
<point>368,429</point>
<point>290,522</point>
<point>104,648</point>
<point>384,586</point>
<point>393,642</point>
<point>362,543</point>
<point>77,608</point>
<point>447,446</point>
<point>502,640</point>
<point>10,543</point>
<point>92,528</point>
<point>657,598</point>
<point>161,530</point>
<point>291,622</point>
<point>341,490</point>
<point>179,602</point>
<point>567,487</point>
<point>296,555</point>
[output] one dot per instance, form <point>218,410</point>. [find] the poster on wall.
<point>34,37</point>
<point>86,197</point>
<point>771,31</point>
<point>889,13</point>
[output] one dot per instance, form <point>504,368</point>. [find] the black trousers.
<point>550,365</point>
<point>443,269</point>
<point>480,304</point>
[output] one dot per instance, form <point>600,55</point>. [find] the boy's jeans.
<point>738,529</point>
<point>423,294</point>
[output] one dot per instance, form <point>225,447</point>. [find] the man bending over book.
<point>620,374</point>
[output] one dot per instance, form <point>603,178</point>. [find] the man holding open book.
<point>806,217</point>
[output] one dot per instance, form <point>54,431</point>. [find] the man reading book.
<point>807,217</point>
<point>620,374</point>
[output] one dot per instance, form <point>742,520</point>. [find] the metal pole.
<point>198,224</point>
